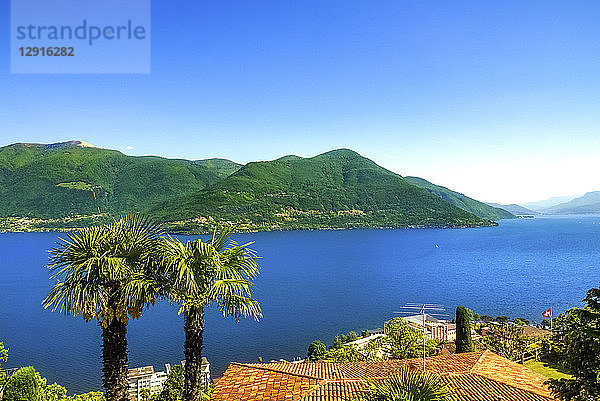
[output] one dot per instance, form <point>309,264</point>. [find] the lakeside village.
<point>509,353</point>
<point>500,363</point>
<point>113,272</point>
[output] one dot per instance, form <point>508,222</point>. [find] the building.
<point>435,328</point>
<point>474,376</point>
<point>146,378</point>
<point>367,333</point>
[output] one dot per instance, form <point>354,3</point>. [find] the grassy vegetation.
<point>549,370</point>
<point>82,186</point>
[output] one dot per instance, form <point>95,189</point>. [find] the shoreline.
<point>200,231</point>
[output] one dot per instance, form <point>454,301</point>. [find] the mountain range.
<point>540,205</point>
<point>586,204</point>
<point>337,189</point>
<point>515,209</point>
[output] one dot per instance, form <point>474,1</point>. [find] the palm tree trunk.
<point>114,354</point>
<point>194,330</point>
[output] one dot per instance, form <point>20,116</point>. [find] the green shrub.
<point>316,351</point>
<point>25,385</point>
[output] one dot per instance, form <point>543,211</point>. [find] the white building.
<point>434,328</point>
<point>146,378</point>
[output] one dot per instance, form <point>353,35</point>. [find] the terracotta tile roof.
<point>476,376</point>
<point>472,387</point>
<point>246,383</point>
<point>502,370</point>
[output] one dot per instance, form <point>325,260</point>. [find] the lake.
<point>314,285</point>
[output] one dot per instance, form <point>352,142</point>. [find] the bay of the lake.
<point>313,285</point>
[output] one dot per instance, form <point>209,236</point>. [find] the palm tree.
<point>408,385</point>
<point>98,272</point>
<point>218,271</point>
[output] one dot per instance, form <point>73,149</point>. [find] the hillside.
<point>337,189</point>
<point>586,204</point>
<point>515,209</point>
<point>71,178</point>
<point>479,209</point>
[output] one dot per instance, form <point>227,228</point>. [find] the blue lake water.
<point>314,284</point>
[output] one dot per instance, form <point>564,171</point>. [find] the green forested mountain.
<point>461,201</point>
<point>71,178</point>
<point>335,189</point>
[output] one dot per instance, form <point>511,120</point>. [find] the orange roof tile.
<point>476,376</point>
<point>472,387</point>
<point>247,383</point>
<point>501,369</point>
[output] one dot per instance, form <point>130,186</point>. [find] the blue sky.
<point>497,99</point>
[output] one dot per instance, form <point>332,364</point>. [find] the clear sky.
<point>496,99</point>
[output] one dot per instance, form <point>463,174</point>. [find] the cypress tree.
<point>464,343</point>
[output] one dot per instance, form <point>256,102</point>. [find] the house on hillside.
<point>435,328</point>
<point>475,376</point>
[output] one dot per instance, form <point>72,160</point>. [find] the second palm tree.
<point>217,271</point>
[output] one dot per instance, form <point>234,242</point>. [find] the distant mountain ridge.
<point>586,204</point>
<point>56,145</point>
<point>541,205</point>
<point>515,209</point>
<point>337,189</point>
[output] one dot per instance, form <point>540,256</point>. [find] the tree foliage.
<point>341,339</point>
<point>3,354</point>
<point>576,340</point>
<point>97,269</point>
<point>521,321</point>
<point>507,341</point>
<point>401,341</point>
<point>173,388</point>
<point>345,353</point>
<point>25,384</point>
<point>317,351</point>
<point>408,385</point>
<point>487,318</point>
<point>3,358</point>
<point>54,392</point>
<point>464,317</point>
<point>91,396</point>
<point>218,271</point>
